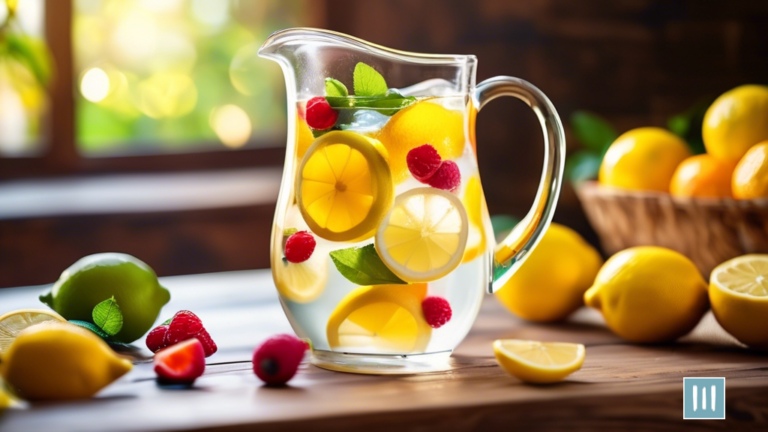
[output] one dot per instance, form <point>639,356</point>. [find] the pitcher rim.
<point>305,34</point>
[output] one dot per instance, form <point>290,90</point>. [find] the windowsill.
<point>138,193</point>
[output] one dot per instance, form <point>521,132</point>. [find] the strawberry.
<point>156,338</point>
<point>184,325</point>
<point>182,363</point>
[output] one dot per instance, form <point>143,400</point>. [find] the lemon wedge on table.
<point>738,293</point>
<point>12,323</point>
<point>539,362</point>
<point>382,319</point>
<point>344,186</point>
<point>424,236</point>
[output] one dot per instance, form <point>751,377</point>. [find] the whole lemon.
<point>649,294</point>
<point>750,178</point>
<point>550,283</point>
<point>736,121</point>
<point>56,360</point>
<point>422,123</point>
<point>643,159</point>
<point>739,298</point>
<point>703,176</point>
<point>96,278</point>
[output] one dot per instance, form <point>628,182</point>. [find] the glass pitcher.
<point>382,247</point>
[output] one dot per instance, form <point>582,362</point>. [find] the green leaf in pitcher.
<point>367,81</point>
<point>387,103</point>
<point>108,317</point>
<point>334,87</point>
<point>362,266</point>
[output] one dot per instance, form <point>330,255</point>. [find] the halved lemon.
<point>539,362</point>
<point>474,204</point>
<point>381,319</point>
<point>344,186</point>
<point>738,293</point>
<point>424,236</point>
<point>14,322</point>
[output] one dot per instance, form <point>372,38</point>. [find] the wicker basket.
<point>707,230</point>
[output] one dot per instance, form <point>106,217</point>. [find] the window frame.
<point>59,155</point>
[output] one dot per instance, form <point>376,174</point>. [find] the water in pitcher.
<point>391,197</point>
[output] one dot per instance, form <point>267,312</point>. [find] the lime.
<point>96,278</point>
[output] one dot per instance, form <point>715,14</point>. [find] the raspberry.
<point>437,311</point>
<point>156,338</point>
<point>209,346</point>
<point>299,247</point>
<point>184,325</point>
<point>447,177</point>
<point>319,114</point>
<point>277,359</point>
<point>423,162</point>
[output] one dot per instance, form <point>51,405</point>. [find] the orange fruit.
<point>750,178</point>
<point>422,123</point>
<point>643,159</point>
<point>703,176</point>
<point>736,121</point>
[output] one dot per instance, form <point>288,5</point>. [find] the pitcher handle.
<point>512,251</point>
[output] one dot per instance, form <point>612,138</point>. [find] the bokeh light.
<point>232,125</point>
<point>95,85</point>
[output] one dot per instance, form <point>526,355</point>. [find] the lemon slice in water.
<point>424,235</point>
<point>380,319</point>
<point>344,186</point>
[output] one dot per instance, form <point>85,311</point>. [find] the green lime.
<point>98,277</point>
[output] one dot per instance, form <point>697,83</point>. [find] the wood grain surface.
<point>621,387</point>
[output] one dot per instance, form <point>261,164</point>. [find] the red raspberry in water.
<point>423,162</point>
<point>319,114</point>
<point>299,247</point>
<point>209,346</point>
<point>156,338</point>
<point>277,359</point>
<point>437,311</point>
<point>447,177</point>
<point>184,325</point>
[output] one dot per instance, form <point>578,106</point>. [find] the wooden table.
<point>621,386</point>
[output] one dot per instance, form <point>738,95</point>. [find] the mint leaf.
<point>290,231</point>
<point>363,266</point>
<point>107,316</point>
<point>387,103</point>
<point>167,322</point>
<point>90,326</point>
<point>334,87</point>
<point>592,131</point>
<point>368,82</point>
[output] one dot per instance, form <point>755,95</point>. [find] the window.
<point>149,85</point>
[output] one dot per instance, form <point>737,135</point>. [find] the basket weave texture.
<point>707,230</point>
